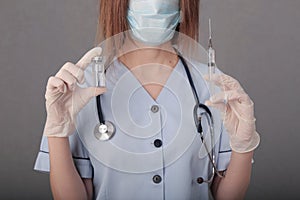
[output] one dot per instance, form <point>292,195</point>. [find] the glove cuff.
<point>63,129</point>
<point>245,146</point>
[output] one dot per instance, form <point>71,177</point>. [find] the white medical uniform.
<point>163,164</point>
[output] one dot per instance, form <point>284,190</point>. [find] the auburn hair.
<point>113,18</point>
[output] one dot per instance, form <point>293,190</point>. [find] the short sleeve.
<point>223,150</point>
<point>79,153</point>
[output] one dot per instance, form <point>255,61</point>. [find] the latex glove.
<point>238,113</point>
<point>64,98</point>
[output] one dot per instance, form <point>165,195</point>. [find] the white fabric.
<point>179,177</point>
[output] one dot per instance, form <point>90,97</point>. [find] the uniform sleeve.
<point>79,153</point>
<point>223,151</point>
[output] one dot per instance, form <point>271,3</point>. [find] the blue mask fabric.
<point>153,22</point>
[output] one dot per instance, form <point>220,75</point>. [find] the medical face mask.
<point>153,22</point>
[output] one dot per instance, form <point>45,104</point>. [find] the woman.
<point>82,168</point>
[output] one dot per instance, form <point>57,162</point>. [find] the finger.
<point>86,59</point>
<point>229,96</point>
<point>55,83</point>
<point>90,92</point>
<point>67,77</point>
<point>244,112</point>
<point>224,81</point>
<point>220,106</point>
<point>85,94</point>
<point>75,71</point>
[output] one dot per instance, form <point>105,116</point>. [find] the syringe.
<point>211,60</point>
<point>99,71</point>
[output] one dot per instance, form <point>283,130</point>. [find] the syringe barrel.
<point>211,57</point>
<point>211,69</point>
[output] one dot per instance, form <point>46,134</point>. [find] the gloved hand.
<point>238,113</point>
<point>64,98</point>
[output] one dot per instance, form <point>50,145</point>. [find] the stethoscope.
<point>105,130</point>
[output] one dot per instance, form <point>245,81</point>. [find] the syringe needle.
<point>209,28</point>
<point>211,59</point>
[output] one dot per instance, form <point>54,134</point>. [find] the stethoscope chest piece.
<point>104,132</point>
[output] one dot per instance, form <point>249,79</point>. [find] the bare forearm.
<point>64,178</point>
<point>236,181</point>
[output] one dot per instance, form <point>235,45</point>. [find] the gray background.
<point>257,42</point>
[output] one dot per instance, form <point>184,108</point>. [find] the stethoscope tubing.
<point>197,119</point>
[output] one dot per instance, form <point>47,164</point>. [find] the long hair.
<point>113,18</point>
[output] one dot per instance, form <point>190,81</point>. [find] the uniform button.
<point>156,179</point>
<point>157,143</point>
<point>154,108</point>
<point>200,180</point>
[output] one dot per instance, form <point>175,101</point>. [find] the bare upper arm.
<point>88,183</point>
<point>216,182</point>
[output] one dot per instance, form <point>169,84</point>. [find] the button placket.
<point>157,142</point>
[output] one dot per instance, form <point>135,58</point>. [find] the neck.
<point>136,54</point>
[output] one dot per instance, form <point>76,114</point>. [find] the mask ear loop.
<point>177,29</point>
<point>181,16</point>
